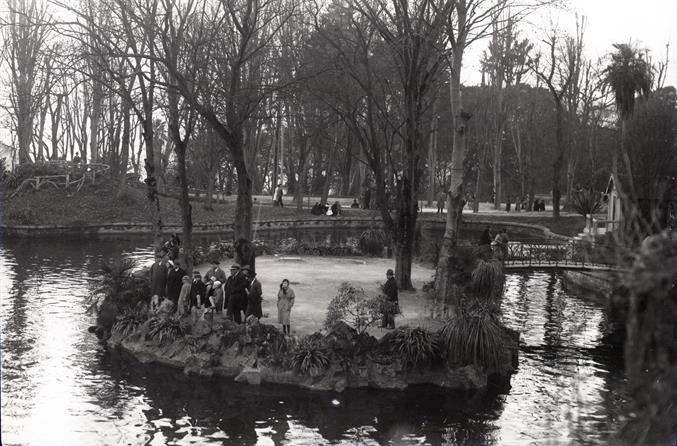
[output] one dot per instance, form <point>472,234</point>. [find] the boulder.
<point>249,375</point>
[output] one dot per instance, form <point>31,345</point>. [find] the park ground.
<point>315,281</point>
<point>100,204</point>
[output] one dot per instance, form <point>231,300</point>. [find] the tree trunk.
<point>242,224</point>
<point>330,167</point>
<point>455,197</point>
<point>56,118</point>
<point>95,118</point>
<point>558,162</point>
<point>432,152</point>
<point>125,143</point>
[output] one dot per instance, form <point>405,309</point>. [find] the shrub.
<point>416,345</point>
<point>586,201</point>
<point>309,358</point>
<point>474,336</point>
<point>372,241</point>
<point>289,246</point>
<point>22,216</point>
<point>165,329</point>
<point>280,351</point>
<point>488,279</point>
<point>352,306</point>
<point>130,320</point>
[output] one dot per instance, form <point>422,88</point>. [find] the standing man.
<point>254,295</point>
<point>390,291</point>
<point>235,294</point>
<point>441,200</point>
<point>174,282</point>
<point>158,282</point>
<point>216,271</point>
<point>277,197</point>
<point>501,242</point>
<point>198,294</point>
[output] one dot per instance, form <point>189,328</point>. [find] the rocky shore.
<point>341,358</point>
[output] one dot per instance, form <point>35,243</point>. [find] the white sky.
<point>649,23</point>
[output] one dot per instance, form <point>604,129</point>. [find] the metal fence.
<point>559,253</point>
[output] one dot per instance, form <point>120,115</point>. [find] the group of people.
<point>323,209</point>
<point>237,296</point>
<point>499,244</point>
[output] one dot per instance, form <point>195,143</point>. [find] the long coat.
<point>158,279</point>
<point>254,299</point>
<point>236,292</point>
<point>174,284</point>
<point>198,288</point>
<point>284,304</point>
<point>184,297</point>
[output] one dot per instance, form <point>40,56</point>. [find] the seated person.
<point>336,209</point>
<point>355,204</point>
<point>317,209</point>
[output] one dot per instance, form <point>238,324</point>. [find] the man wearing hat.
<point>216,271</point>
<point>235,293</point>
<point>254,294</point>
<point>158,281</point>
<point>392,302</point>
<point>198,293</point>
<point>174,281</point>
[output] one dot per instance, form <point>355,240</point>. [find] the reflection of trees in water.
<point>214,404</point>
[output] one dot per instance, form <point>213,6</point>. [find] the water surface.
<point>60,386</point>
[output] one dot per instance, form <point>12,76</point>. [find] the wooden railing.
<point>75,175</point>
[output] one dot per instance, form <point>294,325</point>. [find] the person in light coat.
<point>285,302</point>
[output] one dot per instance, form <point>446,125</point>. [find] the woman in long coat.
<point>285,300</point>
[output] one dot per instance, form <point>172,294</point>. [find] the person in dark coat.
<point>174,283</point>
<point>336,209</point>
<point>236,293</point>
<point>158,282</point>
<point>198,294</point>
<point>254,295</point>
<point>390,291</point>
<point>216,271</point>
<point>485,244</point>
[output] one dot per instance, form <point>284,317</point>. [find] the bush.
<point>165,329</point>
<point>416,345</point>
<point>289,246</point>
<point>280,352</point>
<point>130,321</point>
<point>309,358</point>
<point>586,201</point>
<point>372,242</point>
<point>352,306</point>
<point>22,216</point>
<point>474,336</point>
<point>488,279</point>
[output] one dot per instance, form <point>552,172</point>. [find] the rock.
<point>386,376</point>
<point>250,376</point>
<point>201,328</point>
<point>340,385</point>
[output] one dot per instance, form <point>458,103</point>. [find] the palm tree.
<point>628,74</point>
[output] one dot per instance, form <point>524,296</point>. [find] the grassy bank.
<point>101,203</point>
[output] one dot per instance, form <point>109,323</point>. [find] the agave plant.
<point>165,329</point>
<point>372,241</point>
<point>488,279</point>
<point>309,358</point>
<point>129,321</point>
<point>417,345</point>
<point>474,336</point>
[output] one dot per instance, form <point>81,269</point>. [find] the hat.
<point>185,279</point>
<point>235,266</point>
<point>196,273</point>
<point>390,272</point>
<point>217,284</point>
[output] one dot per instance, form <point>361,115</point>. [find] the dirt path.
<point>315,281</point>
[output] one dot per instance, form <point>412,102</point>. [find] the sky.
<point>649,23</point>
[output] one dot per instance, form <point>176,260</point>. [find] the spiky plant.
<point>586,201</point>
<point>488,279</point>
<point>129,321</point>
<point>165,329</point>
<point>416,345</point>
<point>372,241</point>
<point>309,358</point>
<point>474,336</point>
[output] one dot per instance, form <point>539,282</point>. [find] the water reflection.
<point>59,386</point>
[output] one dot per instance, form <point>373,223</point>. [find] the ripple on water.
<point>566,382</point>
